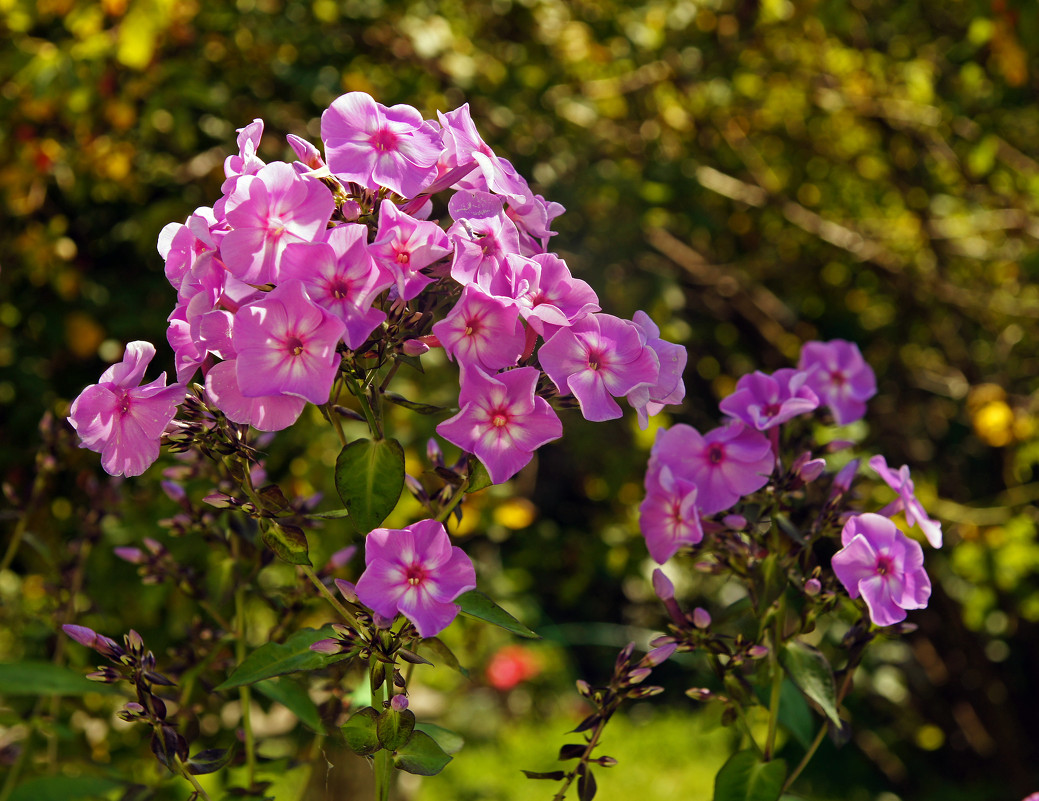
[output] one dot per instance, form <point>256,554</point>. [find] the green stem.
<point>383,758</point>
<point>346,614</point>
<point>445,512</point>
<point>244,693</point>
<point>191,778</point>
<point>777,678</point>
<point>366,408</point>
<point>337,424</point>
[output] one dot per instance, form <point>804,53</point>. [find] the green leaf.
<point>809,670</point>
<point>479,478</point>
<point>795,715</point>
<point>586,786</point>
<point>394,728</point>
<point>444,654</point>
<point>334,514</point>
<point>289,543</point>
<point>421,756</point>
<point>46,678</point>
<point>745,778</point>
<point>209,761</point>
<point>63,788</point>
<point>552,775</point>
<point>450,741</point>
<point>360,732</point>
<point>415,406</point>
<point>475,604</point>
<point>276,659</point>
<point>370,478</point>
<point>294,696</point>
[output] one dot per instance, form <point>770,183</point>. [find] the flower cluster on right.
<point>694,480</point>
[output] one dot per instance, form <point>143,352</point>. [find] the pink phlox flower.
<point>464,145</point>
<point>841,378</point>
<point>404,246</point>
<point>552,297</point>
<point>376,146</point>
<point>501,420</point>
<point>246,162</point>
<point>596,359</point>
<point>307,153</point>
<point>121,420</point>
<point>267,212</point>
<point>884,566</point>
<point>286,345</point>
<point>189,248</point>
<point>668,516</point>
<point>906,500</point>
<point>669,389</point>
<point>341,276</point>
<point>534,217</point>
<point>765,401</point>
<point>482,330</point>
<point>264,413</point>
<point>725,464</point>
<point>482,236</point>
<point>417,572</point>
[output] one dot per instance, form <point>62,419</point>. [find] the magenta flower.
<point>121,420</point>
<point>267,211</point>
<point>404,246</point>
<point>264,413</point>
<point>725,464</point>
<point>668,517</point>
<point>502,421</point>
<point>341,276</point>
<point>376,146</point>
<point>906,501</point>
<point>600,356</point>
<point>246,162</point>
<point>482,330</point>
<point>883,565</point>
<point>765,401</point>
<point>417,572</point>
<point>286,345</point>
<point>841,378</point>
<point>669,389</point>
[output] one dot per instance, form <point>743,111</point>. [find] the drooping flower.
<point>597,358</point>
<point>417,572</point>
<point>884,566</point>
<point>725,464</point>
<point>501,420</point>
<point>669,389</point>
<point>668,517</point>
<point>906,501</point>
<point>841,378</point>
<point>765,401</point>
<point>376,146</point>
<point>286,345</point>
<point>121,420</point>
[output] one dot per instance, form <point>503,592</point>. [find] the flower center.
<point>499,419</point>
<point>838,378</point>
<point>403,257</point>
<point>340,289</point>
<point>125,403</point>
<point>294,345</point>
<point>884,565</point>
<point>715,453</point>
<point>415,574</point>
<point>384,140</point>
<point>771,409</point>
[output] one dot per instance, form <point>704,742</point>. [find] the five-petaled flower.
<point>884,566</point>
<point>121,420</point>
<point>417,572</point>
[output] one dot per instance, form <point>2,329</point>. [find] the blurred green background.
<point>754,173</point>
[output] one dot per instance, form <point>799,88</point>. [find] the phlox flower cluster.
<point>692,477</point>
<point>396,235</point>
<point>299,265</point>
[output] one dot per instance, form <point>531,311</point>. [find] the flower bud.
<point>638,675</point>
<point>80,634</point>
<point>330,647</point>
<point>174,491</point>
<point>349,591</point>
<point>735,522</point>
<point>813,587</point>
<point>699,693</point>
<point>810,470</point>
<point>132,555</point>
<point>842,481</point>
<point>399,703</point>
<point>658,655</point>
<point>757,652</point>
<point>662,585</point>
<point>701,618</point>
<point>414,347</point>
<point>341,557</point>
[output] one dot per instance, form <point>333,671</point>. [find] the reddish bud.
<point>701,618</point>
